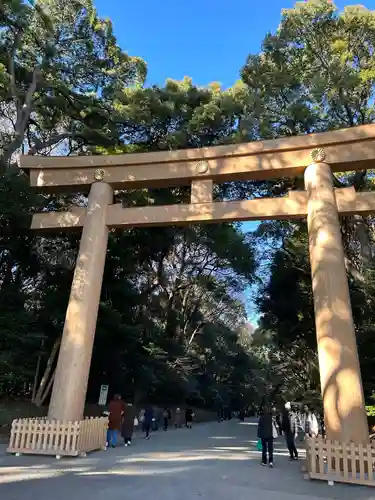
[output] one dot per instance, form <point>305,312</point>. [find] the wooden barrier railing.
<point>40,436</point>
<point>93,434</point>
<point>340,462</point>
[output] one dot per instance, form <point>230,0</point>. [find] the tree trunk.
<point>36,376</point>
<point>45,382</point>
<point>47,390</point>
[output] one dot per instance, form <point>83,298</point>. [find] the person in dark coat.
<point>220,414</point>
<point>148,419</point>
<point>116,410</point>
<point>266,435</point>
<point>178,418</point>
<point>166,418</point>
<point>128,424</point>
<point>189,418</point>
<point>290,429</point>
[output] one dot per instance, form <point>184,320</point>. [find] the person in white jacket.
<point>309,422</point>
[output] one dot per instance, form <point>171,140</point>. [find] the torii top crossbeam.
<point>345,149</point>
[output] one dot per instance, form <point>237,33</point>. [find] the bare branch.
<point>27,105</point>
<point>11,68</point>
<point>196,330</point>
<point>45,382</point>
<point>55,139</point>
<point>23,115</point>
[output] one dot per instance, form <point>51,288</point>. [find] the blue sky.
<point>207,40</point>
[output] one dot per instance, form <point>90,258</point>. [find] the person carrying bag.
<point>266,432</point>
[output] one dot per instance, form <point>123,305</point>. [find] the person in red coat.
<point>116,410</point>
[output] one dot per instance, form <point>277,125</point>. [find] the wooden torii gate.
<point>315,155</point>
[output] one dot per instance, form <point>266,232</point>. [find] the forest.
<point>173,319</point>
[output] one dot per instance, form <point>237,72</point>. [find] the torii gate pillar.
<point>73,365</point>
<point>341,383</point>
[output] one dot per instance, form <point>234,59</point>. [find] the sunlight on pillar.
<point>348,379</point>
<point>343,398</point>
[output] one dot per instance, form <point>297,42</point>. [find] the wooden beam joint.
<point>201,191</point>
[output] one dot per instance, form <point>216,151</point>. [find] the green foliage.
<point>58,61</point>
<point>317,71</point>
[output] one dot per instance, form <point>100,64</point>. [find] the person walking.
<point>300,424</point>
<point>148,420</point>
<point>277,417</point>
<point>310,423</point>
<point>178,419</point>
<point>221,414</point>
<point>267,432</point>
<point>116,410</point>
<point>157,419</point>
<point>290,429</point>
<point>128,424</point>
<point>189,418</point>
<point>166,417</point>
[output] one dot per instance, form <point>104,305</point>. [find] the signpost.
<point>103,395</point>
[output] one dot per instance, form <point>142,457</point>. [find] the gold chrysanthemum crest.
<point>202,167</point>
<point>318,155</point>
<point>99,174</point>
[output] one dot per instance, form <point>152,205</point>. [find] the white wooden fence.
<point>340,462</point>
<point>40,436</point>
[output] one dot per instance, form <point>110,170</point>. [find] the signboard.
<point>103,395</point>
